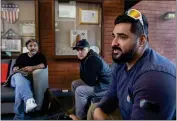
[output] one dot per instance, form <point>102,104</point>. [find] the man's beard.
<point>33,52</point>
<point>124,57</point>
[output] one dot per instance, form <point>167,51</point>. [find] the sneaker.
<point>30,105</point>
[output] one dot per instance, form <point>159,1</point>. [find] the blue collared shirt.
<point>146,91</point>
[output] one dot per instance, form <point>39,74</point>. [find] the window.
<point>18,25</point>
<point>75,21</point>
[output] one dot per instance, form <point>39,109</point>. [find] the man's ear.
<point>143,40</point>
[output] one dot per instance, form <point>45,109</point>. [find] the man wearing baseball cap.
<point>95,76</point>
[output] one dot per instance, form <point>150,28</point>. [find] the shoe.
<point>30,105</point>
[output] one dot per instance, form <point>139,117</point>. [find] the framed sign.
<point>11,45</point>
<point>27,28</point>
<point>88,16</point>
<point>87,24</point>
<point>67,11</point>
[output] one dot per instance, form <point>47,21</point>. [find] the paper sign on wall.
<point>67,11</point>
<point>76,35</point>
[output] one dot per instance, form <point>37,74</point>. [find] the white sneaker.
<point>30,105</point>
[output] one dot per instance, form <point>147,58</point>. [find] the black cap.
<point>81,44</point>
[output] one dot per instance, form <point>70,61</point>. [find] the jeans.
<point>83,93</point>
<point>22,94</point>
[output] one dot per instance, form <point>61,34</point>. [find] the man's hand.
<point>74,117</point>
<point>27,69</point>
<point>15,69</point>
<point>100,115</point>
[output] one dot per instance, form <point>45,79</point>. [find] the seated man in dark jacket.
<point>95,77</point>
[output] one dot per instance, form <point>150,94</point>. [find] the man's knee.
<point>91,111</point>
<point>75,84</point>
<point>80,91</point>
<point>19,80</point>
<point>17,75</point>
<point>94,115</point>
<point>98,114</point>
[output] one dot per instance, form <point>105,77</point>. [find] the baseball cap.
<point>81,44</point>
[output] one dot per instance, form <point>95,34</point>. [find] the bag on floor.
<point>51,104</point>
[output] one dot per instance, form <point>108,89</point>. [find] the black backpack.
<point>51,104</point>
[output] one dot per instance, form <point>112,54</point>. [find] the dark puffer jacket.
<point>94,71</point>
